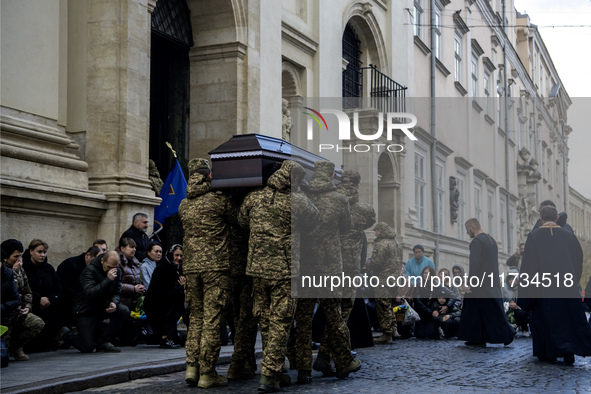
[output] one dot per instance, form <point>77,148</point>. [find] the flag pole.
<point>172,150</point>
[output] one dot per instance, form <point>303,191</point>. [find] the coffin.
<point>248,160</point>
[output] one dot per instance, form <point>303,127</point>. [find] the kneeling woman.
<point>165,299</point>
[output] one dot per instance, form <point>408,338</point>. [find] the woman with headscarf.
<point>165,299</point>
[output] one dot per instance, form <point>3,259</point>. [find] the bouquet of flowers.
<point>400,312</point>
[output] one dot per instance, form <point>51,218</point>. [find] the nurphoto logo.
<point>394,121</point>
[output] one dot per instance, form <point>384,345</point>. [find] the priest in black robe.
<point>483,316</point>
<point>553,263</point>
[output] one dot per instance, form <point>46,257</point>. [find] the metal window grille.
<point>352,76</point>
<point>171,20</point>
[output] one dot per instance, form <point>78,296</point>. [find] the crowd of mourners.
<point>235,268</point>
<point>98,300</point>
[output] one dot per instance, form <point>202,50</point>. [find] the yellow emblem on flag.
<point>170,190</point>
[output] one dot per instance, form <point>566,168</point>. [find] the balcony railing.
<point>385,94</point>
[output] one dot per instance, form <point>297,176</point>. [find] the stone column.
<point>44,182</point>
<point>118,109</point>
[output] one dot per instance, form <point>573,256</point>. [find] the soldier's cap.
<point>351,176</point>
<point>381,226</point>
<point>297,171</point>
<point>198,164</point>
<point>324,167</point>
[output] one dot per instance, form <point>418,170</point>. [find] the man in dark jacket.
<point>69,273</point>
<point>137,232</point>
<point>97,300</point>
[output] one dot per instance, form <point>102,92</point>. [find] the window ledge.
<point>489,119</point>
<point>441,67</point>
<point>460,88</point>
<point>422,46</point>
<point>476,105</point>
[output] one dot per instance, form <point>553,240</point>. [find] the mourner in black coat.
<point>46,288</point>
<point>483,316</point>
<point>558,323</point>
<point>165,301</point>
<point>69,274</point>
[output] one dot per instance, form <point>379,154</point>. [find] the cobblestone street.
<point>418,366</point>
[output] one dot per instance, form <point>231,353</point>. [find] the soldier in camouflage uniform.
<point>267,212</point>
<point>321,252</point>
<point>206,216</point>
<point>386,260</point>
<point>364,216</point>
<point>23,325</point>
<point>243,364</point>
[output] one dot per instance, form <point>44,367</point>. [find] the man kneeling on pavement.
<point>98,299</point>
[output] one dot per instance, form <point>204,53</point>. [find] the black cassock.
<point>483,316</point>
<point>558,322</point>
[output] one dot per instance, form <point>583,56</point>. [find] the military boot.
<point>239,373</point>
<point>212,379</point>
<point>19,355</point>
<point>268,384</point>
<point>322,364</point>
<point>191,374</point>
<point>283,379</point>
<point>384,339</point>
<point>353,366</point>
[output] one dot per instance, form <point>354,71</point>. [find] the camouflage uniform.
<point>22,328</point>
<point>243,358</point>
<point>386,260</point>
<point>304,217</point>
<point>267,212</point>
<point>206,216</point>
<point>364,216</point>
<point>321,251</point>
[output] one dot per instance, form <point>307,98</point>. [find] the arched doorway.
<point>171,39</point>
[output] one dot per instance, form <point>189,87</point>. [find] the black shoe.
<point>569,359</point>
<point>476,344</point>
<point>304,377</point>
<point>107,347</point>
<point>168,343</point>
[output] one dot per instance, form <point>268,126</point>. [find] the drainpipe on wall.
<point>506,98</point>
<point>538,144</point>
<point>564,178</point>
<point>436,223</point>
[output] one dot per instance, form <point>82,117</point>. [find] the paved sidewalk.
<point>69,370</point>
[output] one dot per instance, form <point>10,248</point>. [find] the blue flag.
<point>173,192</point>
